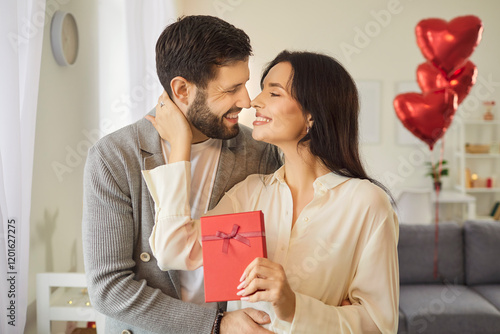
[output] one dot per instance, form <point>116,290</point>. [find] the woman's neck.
<point>302,169</point>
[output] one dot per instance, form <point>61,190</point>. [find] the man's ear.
<point>181,90</point>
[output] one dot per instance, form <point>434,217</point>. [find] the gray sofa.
<point>465,298</point>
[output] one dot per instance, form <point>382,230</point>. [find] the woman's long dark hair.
<point>326,91</point>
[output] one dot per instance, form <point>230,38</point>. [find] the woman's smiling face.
<point>280,120</point>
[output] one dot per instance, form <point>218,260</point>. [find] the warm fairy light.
<point>474,177</point>
<point>70,302</point>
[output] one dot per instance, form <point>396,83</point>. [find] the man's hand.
<point>245,321</point>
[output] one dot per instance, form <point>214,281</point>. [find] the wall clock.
<point>64,38</point>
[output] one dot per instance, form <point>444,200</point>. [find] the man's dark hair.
<point>194,46</point>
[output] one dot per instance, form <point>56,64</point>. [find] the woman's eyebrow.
<point>275,84</point>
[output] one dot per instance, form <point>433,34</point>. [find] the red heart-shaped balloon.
<point>427,115</point>
<point>430,78</point>
<point>449,45</point>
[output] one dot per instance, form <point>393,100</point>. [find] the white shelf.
<point>55,305</point>
<point>482,190</point>
<point>485,165</point>
<point>66,313</point>
<point>459,154</point>
<point>482,155</point>
<point>485,218</point>
<point>481,122</point>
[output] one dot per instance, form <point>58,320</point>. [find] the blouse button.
<point>145,257</point>
<point>306,219</point>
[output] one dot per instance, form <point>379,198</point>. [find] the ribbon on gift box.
<point>241,237</point>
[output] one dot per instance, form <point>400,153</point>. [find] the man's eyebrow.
<point>236,85</point>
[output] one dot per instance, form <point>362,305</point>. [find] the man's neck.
<point>198,136</point>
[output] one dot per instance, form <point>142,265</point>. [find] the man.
<point>202,63</point>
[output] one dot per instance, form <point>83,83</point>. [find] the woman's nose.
<point>257,103</point>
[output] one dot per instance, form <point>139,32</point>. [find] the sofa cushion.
<point>490,293</point>
<point>440,308</point>
<point>416,253</point>
<point>482,252</point>
<point>402,323</point>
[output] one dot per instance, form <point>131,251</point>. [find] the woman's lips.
<point>261,119</point>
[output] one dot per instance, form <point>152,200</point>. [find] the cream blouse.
<point>343,245</point>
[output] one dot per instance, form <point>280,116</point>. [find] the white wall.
<point>67,105</point>
<point>390,56</point>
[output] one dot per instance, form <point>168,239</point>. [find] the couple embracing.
<point>300,166</point>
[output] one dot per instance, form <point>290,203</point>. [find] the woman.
<point>331,232</point>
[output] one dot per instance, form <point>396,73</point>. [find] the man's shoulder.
<point>125,138</point>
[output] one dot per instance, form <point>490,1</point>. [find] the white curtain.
<point>128,80</point>
<point>21,32</point>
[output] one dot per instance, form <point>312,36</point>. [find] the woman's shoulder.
<point>365,192</point>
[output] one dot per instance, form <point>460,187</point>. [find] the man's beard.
<point>200,115</point>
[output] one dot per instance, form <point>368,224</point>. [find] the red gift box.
<point>230,243</point>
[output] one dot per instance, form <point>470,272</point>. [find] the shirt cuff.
<point>170,186</point>
<point>282,326</point>
<point>307,317</point>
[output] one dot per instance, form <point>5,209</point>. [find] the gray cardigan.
<point>124,281</point>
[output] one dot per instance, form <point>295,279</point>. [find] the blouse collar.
<point>324,182</point>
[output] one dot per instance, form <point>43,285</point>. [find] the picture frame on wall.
<point>369,114</point>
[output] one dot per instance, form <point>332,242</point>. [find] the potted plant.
<point>436,174</point>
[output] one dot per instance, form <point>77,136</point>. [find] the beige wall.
<point>389,55</point>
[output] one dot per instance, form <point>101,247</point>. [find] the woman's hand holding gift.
<point>264,280</point>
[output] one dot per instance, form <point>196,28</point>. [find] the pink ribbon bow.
<point>241,237</point>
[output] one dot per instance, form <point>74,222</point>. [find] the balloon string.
<point>436,221</point>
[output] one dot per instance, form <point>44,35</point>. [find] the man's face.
<point>215,109</point>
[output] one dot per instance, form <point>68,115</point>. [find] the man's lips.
<point>232,116</point>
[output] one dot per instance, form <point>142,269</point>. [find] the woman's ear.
<point>310,120</point>
<point>180,90</point>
